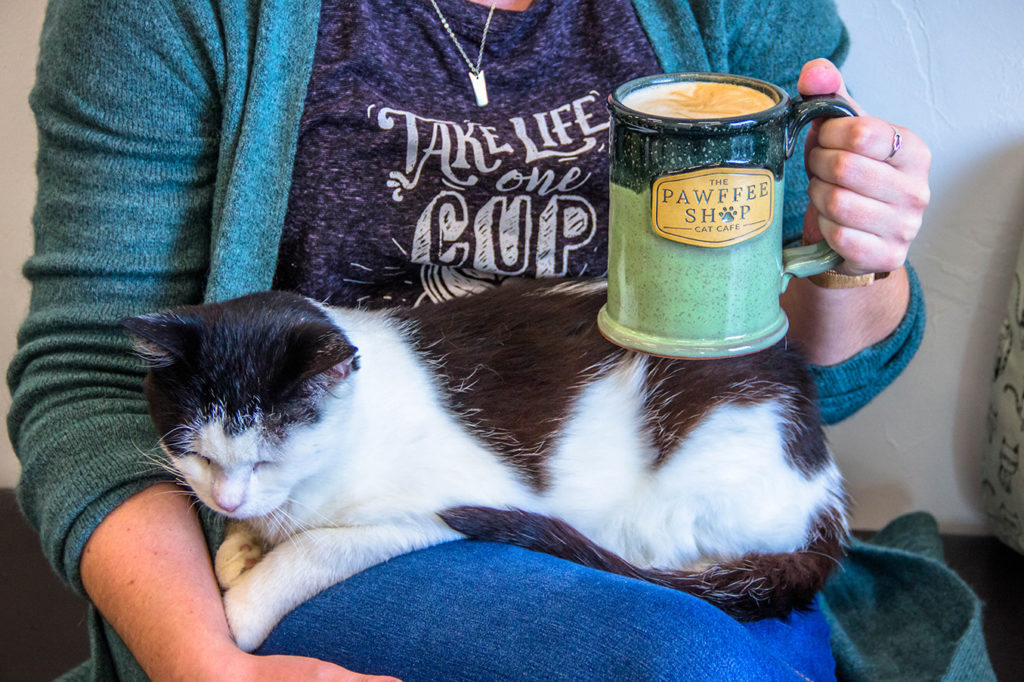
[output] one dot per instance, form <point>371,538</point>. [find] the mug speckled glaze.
<point>695,258</point>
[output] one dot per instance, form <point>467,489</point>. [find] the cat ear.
<point>162,338</point>
<point>325,350</point>
<point>340,371</point>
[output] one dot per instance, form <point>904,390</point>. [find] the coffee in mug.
<point>698,99</point>
<point>695,258</point>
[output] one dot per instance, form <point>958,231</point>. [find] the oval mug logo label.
<point>713,207</point>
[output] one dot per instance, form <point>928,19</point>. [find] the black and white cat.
<point>337,439</point>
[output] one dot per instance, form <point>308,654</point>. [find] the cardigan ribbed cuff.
<point>845,388</point>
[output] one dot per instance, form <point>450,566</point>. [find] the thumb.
<point>821,77</point>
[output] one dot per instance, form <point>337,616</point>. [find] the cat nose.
<point>228,502</point>
<point>229,506</point>
<point>229,493</point>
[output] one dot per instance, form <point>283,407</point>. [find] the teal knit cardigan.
<point>167,131</point>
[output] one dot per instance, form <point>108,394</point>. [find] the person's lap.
<point>483,611</point>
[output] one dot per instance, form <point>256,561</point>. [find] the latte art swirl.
<point>698,99</point>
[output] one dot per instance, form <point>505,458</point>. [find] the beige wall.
<point>20,21</point>
<point>949,70</point>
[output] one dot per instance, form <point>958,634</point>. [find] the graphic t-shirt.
<point>405,190</point>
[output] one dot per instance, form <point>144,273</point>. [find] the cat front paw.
<point>250,618</point>
<point>240,551</point>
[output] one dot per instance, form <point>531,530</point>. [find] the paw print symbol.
<point>727,214</point>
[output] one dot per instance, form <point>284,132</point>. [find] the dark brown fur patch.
<point>681,393</point>
<point>513,361</point>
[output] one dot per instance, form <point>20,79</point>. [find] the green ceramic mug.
<point>695,258</point>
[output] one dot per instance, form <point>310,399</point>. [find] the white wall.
<point>952,71</point>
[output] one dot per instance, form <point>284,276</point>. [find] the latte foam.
<point>698,100</point>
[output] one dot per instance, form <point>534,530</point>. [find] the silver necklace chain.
<point>476,74</point>
<point>473,68</point>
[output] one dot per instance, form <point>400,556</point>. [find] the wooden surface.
<point>43,630</point>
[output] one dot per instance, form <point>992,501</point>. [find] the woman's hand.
<point>866,199</point>
<point>275,668</point>
<point>224,662</point>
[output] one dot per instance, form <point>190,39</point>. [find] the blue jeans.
<point>483,611</point>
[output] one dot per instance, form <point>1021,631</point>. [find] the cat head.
<point>234,388</point>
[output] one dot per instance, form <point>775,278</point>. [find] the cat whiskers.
<point>321,519</point>
<point>278,520</point>
<point>182,434</point>
<point>272,528</point>
<point>160,461</point>
<point>296,531</point>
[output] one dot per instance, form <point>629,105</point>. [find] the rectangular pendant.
<point>479,87</point>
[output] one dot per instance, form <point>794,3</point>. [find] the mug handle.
<point>803,261</point>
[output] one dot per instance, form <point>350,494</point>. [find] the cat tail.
<point>752,587</point>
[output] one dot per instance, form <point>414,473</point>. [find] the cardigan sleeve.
<point>125,109</point>
<point>772,40</point>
